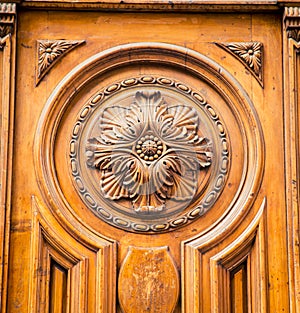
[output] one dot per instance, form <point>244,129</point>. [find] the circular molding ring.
<point>125,55</point>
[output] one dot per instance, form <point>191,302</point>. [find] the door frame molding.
<point>7,104</point>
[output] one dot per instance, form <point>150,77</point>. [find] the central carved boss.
<point>149,152</point>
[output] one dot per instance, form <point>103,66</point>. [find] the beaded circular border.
<point>208,200</point>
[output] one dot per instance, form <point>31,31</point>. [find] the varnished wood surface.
<point>234,258</point>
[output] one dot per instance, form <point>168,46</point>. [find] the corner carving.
<point>7,21</point>
<point>250,54</point>
<point>50,51</point>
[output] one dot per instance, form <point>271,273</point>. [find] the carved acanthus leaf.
<point>149,152</point>
<point>49,51</point>
<point>250,54</point>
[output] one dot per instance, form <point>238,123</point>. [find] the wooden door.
<point>149,157</point>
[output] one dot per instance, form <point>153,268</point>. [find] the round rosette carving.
<point>149,154</point>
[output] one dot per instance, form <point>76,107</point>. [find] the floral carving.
<point>50,51</point>
<point>121,138</point>
<point>149,152</point>
<point>250,53</point>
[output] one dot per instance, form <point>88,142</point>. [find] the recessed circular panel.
<point>147,138</point>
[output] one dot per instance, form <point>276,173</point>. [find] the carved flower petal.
<point>184,116</point>
<point>124,176</point>
<point>173,177</point>
<point>152,106</point>
<point>183,126</point>
<point>116,128</point>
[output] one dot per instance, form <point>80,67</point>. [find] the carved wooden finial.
<point>250,54</point>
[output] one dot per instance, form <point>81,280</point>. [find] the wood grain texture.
<point>162,5</point>
<point>234,255</point>
<point>148,281</point>
<point>7,97</point>
<point>58,289</point>
<point>292,122</point>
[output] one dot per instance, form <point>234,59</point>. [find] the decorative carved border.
<point>157,5</point>
<point>205,204</point>
<point>50,51</point>
<point>7,98</point>
<point>291,56</point>
<point>7,19</point>
<point>291,20</point>
<point>250,54</point>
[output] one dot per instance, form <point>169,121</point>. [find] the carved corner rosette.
<point>50,51</point>
<point>250,54</point>
<point>149,154</point>
<point>7,21</point>
<point>291,20</point>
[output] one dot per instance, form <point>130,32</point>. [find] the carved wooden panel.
<point>155,161</point>
<point>250,54</point>
<point>150,142</point>
<point>50,51</point>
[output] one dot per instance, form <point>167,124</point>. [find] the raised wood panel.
<point>66,275</point>
<point>246,253</point>
<point>238,289</point>
<point>148,281</point>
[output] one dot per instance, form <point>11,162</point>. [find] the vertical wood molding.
<point>291,49</point>
<point>7,86</point>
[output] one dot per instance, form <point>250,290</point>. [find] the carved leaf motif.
<point>49,51</point>
<point>149,152</point>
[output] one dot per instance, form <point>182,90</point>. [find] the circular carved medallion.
<point>149,154</point>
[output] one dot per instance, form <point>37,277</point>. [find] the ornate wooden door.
<point>149,157</point>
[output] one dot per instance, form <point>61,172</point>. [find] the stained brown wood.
<point>238,289</point>
<point>58,292</point>
<point>109,215</point>
<point>148,281</point>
